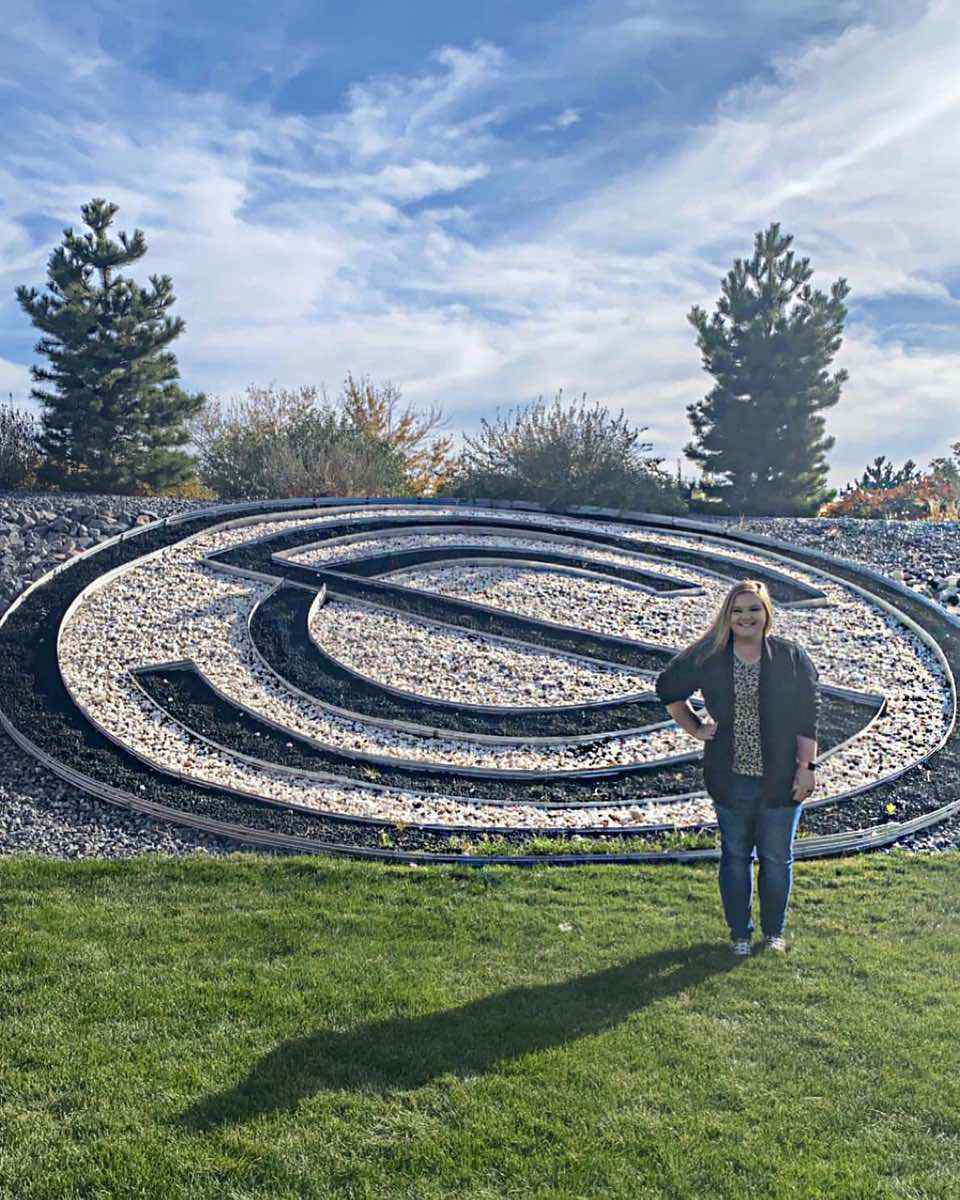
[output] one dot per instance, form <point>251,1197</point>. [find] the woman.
<point>760,750</point>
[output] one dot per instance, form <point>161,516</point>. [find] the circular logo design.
<point>398,679</point>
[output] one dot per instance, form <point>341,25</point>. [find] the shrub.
<point>934,496</point>
<point>19,446</point>
<point>284,443</point>
<point>376,413</point>
<point>885,492</point>
<point>895,503</point>
<point>564,454</point>
<point>194,490</point>
<point>882,475</point>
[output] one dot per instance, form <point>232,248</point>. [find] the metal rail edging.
<point>482,709</point>
<point>345,781</point>
<point>517,531</point>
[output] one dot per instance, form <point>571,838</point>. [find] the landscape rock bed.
<point>184,696</point>
<point>395,561</point>
<point>661,549</point>
<point>113,631</point>
<point>483,619</point>
<point>924,555</point>
<point>39,532</point>
<point>279,626</point>
<point>461,668</point>
<point>902,794</point>
<point>580,555</point>
<point>570,696</point>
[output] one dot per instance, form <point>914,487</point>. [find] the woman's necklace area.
<point>748,652</point>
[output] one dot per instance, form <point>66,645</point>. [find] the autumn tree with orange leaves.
<point>379,415</point>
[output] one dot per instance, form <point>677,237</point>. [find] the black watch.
<point>811,766</point>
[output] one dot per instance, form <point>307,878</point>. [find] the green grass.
<point>487,844</point>
<point>282,1028</point>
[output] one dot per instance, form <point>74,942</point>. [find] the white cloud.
<point>419,179</point>
<point>295,259</point>
<point>900,401</point>
<point>569,116</point>
<point>15,380</point>
<point>849,146</point>
<point>396,116</point>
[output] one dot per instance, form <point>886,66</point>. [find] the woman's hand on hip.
<point>804,784</point>
<point>706,732</point>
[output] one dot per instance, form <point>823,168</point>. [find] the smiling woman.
<point>760,747</point>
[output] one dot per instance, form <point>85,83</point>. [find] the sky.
<point>490,202</point>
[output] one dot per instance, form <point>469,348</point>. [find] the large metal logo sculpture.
<point>388,677</point>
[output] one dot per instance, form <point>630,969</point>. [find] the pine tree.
<point>881,475</point>
<point>116,414</point>
<point>759,433</point>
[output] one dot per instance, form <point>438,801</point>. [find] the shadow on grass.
<point>408,1052</point>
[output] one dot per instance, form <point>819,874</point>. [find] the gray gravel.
<point>925,555</point>
<point>37,532</point>
<point>39,814</point>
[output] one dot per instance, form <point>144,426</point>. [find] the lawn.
<point>260,1027</point>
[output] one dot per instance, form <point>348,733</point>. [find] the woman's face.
<point>747,616</point>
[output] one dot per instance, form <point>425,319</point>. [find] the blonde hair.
<point>716,636</point>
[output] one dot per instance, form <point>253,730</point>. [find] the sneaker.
<point>775,943</point>
<point>741,947</point>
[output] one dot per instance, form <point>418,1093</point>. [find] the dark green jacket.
<point>789,707</point>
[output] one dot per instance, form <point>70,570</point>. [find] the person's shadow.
<point>406,1053</point>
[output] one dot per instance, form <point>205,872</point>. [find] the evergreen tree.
<point>947,469</point>
<point>881,475</point>
<point>759,433</point>
<point>116,414</point>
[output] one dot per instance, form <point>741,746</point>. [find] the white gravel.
<point>334,552</point>
<point>440,662</point>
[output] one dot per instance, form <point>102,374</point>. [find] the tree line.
<point>115,418</point>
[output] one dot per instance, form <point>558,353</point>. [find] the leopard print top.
<point>747,751</point>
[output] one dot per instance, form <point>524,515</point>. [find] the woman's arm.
<point>805,780</point>
<point>808,712</point>
<point>689,722</point>
<point>675,685</point>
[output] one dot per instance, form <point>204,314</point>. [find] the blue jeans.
<point>744,824</point>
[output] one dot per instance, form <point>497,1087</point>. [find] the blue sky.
<point>489,202</point>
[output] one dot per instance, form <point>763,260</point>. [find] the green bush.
<point>282,444</point>
<point>19,446</point>
<point>564,453</point>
